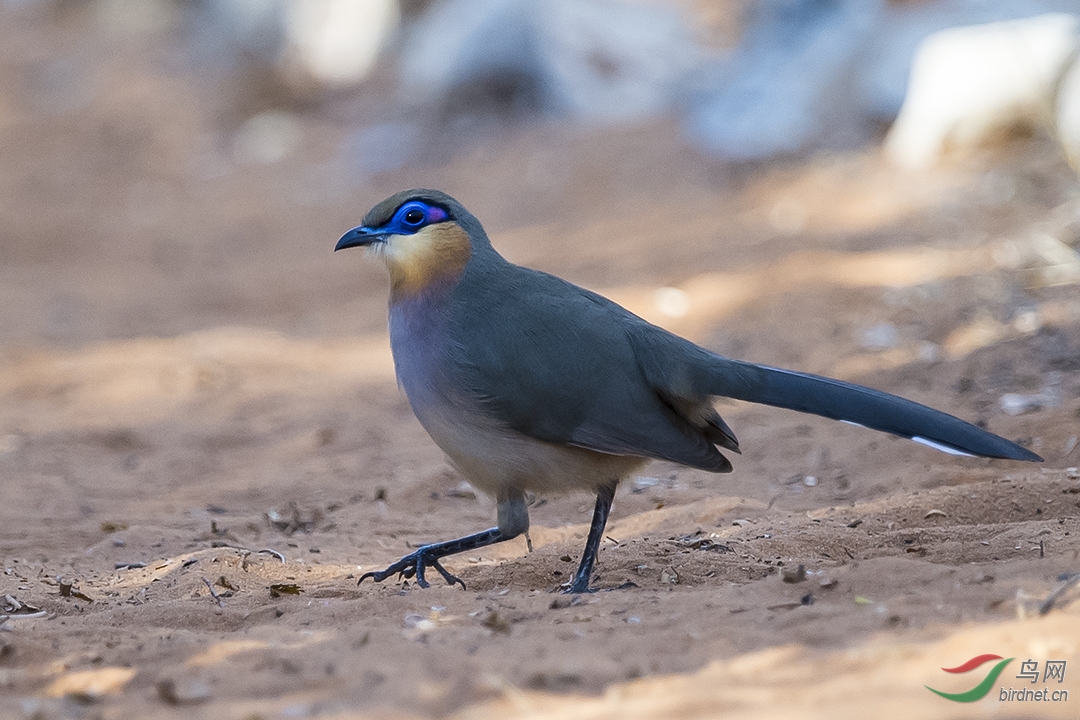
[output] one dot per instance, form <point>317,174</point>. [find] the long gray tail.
<point>859,405</point>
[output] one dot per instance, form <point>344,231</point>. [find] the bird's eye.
<point>415,216</point>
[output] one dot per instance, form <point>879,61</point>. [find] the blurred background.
<point>171,165</point>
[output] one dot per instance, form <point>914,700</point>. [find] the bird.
<point>533,385</point>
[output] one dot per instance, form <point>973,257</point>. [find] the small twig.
<point>213,593</point>
<point>24,616</point>
<point>275,553</point>
<point>1048,604</point>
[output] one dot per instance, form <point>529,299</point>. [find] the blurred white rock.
<point>1055,262</point>
<point>1027,322</point>
<point>590,60</point>
<point>881,336</point>
<point>336,42</point>
<point>1017,404</point>
<point>824,73</point>
<point>968,84</point>
<point>267,138</point>
<point>928,351</point>
<point>327,43</point>
<point>672,302</point>
<point>884,65</point>
<point>1050,396</point>
<point>1068,113</point>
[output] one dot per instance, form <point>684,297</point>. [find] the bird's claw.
<point>413,565</point>
<point>577,586</point>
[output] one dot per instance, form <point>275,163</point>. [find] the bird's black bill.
<point>358,237</point>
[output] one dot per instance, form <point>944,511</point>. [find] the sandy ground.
<point>202,445</point>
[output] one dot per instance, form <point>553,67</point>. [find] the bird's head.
<point>424,236</point>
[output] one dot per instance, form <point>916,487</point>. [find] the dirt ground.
<point>202,445</point>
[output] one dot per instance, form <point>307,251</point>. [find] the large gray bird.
<point>530,383</point>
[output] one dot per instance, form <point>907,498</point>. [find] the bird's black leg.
<point>513,521</point>
<point>428,556</point>
<point>604,496</point>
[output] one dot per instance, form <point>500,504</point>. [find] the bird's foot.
<point>577,586</point>
<point>413,565</point>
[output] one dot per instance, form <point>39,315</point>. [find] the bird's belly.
<point>491,456</point>
<point>494,458</point>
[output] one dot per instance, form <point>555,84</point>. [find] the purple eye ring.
<point>415,215</point>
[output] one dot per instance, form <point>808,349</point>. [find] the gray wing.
<point>558,363</point>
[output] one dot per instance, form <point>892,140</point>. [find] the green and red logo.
<point>983,688</point>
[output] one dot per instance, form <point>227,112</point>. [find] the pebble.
<point>641,484</point>
<point>880,337</point>
<point>793,574</point>
<point>1017,404</point>
<point>183,692</point>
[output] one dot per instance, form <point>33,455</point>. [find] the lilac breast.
<point>419,341</point>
